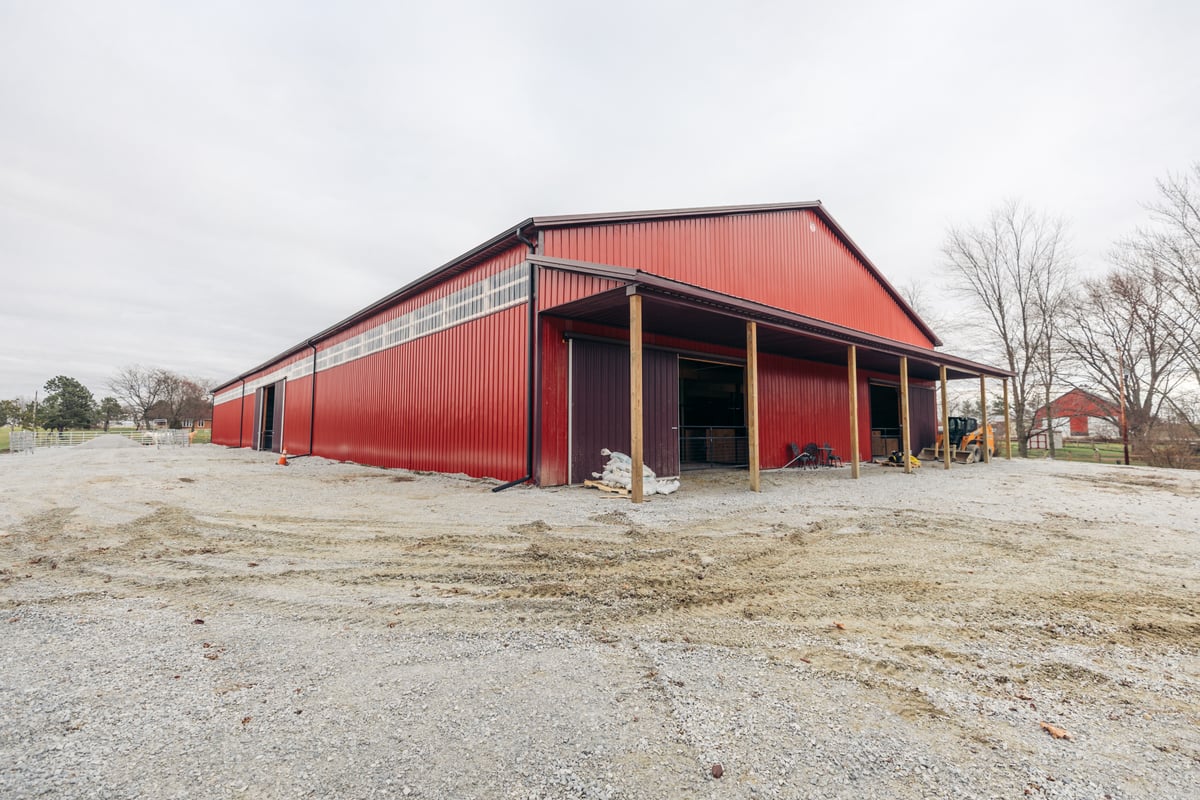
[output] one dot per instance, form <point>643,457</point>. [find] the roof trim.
<point>573,220</point>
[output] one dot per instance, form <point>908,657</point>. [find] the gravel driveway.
<point>203,623</point>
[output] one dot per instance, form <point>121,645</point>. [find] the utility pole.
<point>1124,423</point>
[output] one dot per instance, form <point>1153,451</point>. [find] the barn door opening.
<point>886,430</point>
<point>268,422</point>
<point>599,410</point>
<point>884,400</point>
<point>712,414</point>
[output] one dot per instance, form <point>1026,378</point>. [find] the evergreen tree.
<point>109,410</point>
<point>68,404</point>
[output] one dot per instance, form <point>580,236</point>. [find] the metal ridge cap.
<point>564,220</point>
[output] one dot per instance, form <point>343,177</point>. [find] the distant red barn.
<point>1080,413</point>
<point>513,360</point>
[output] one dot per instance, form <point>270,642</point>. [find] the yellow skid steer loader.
<point>966,442</point>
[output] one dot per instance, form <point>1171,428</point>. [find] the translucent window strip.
<point>487,296</point>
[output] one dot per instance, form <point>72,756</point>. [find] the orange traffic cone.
<point>282,459</point>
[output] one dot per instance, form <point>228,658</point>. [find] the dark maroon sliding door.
<point>600,407</point>
<point>922,416</point>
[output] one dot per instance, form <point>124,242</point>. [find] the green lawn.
<point>1108,453</point>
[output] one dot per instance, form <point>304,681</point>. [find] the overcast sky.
<point>198,186</point>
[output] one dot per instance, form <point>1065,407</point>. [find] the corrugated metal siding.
<point>660,431</point>
<point>226,417</point>
<point>801,402</point>
<point>450,402</point>
<point>296,415</point>
<point>787,259</point>
<point>552,468</point>
<point>600,407</point>
<point>922,417</point>
<point>556,287</point>
<point>248,410</point>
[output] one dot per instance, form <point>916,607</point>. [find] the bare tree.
<point>1170,248</point>
<point>1052,298</point>
<point>1124,335</point>
<point>140,388</point>
<point>1015,269</point>
<point>182,398</point>
<point>922,300</point>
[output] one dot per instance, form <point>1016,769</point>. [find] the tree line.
<point>1131,333</point>
<point>138,394</point>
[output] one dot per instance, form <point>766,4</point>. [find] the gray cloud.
<point>199,187</point>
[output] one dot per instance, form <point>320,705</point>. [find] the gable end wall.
<point>787,259</point>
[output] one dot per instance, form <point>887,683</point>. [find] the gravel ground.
<point>202,623</point>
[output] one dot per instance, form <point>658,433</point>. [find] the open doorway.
<point>886,422</point>
<point>712,414</point>
<point>268,417</point>
<point>885,418</point>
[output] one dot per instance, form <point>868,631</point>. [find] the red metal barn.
<point>1080,413</point>
<point>760,325</point>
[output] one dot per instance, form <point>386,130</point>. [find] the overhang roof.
<point>675,308</point>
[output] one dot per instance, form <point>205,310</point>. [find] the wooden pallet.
<point>606,488</point>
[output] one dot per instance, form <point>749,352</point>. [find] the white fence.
<point>28,441</point>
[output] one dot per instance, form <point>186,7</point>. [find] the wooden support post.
<point>904,437</point>
<point>946,455</point>
<point>636,487</point>
<point>983,423</point>
<point>852,374</point>
<point>1007,424</point>
<point>752,404</point>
